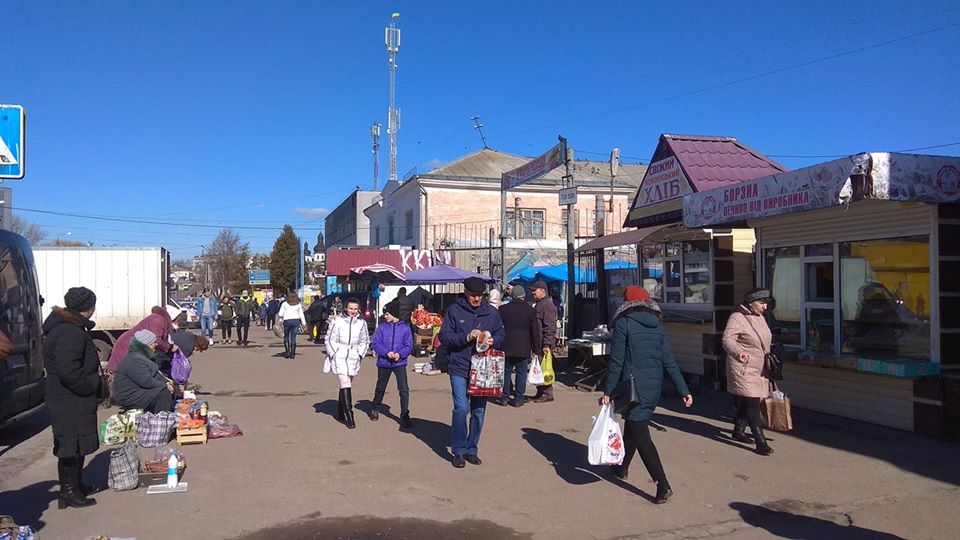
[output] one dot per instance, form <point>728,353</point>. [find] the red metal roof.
<point>712,162</point>
<point>340,261</point>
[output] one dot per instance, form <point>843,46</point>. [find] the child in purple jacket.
<point>393,343</point>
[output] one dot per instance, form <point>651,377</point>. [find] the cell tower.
<point>375,135</point>
<point>392,40</point>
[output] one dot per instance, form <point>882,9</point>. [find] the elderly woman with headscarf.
<point>138,383</point>
<point>747,339</point>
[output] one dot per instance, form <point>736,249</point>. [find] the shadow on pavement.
<point>908,451</point>
<point>569,458</point>
<point>786,525</point>
<point>21,431</point>
<point>328,407</point>
<point>364,527</point>
<point>28,504</point>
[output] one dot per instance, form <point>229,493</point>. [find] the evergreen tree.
<point>284,262</point>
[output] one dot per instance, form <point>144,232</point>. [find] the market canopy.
<point>558,272</point>
<point>380,271</point>
<point>440,274</point>
<point>625,238</point>
<point>878,175</point>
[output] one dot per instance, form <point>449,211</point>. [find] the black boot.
<point>69,493</point>
<point>762,447</point>
<point>405,421</point>
<point>293,350</point>
<point>740,432</point>
<point>84,489</point>
<point>340,415</point>
<point>286,350</point>
<point>348,408</point>
<point>663,492</point>
<point>374,413</point>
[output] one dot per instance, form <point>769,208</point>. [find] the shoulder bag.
<point>772,364</point>
<point>624,394</point>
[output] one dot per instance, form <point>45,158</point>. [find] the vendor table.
<point>592,362</point>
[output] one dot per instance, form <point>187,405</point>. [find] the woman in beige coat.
<point>746,339</point>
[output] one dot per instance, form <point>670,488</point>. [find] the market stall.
<point>861,256</point>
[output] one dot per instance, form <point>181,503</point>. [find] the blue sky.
<point>256,114</point>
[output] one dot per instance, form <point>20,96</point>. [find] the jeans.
<point>243,328</point>
<point>521,367</point>
<point>226,329</point>
<point>464,438</point>
<point>206,325</point>
<point>290,328</point>
<point>383,377</point>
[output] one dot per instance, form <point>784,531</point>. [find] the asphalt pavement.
<point>298,473</point>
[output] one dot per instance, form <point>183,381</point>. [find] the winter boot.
<point>374,413</point>
<point>762,447</point>
<point>340,415</point>
<point>286,349</point>
<point>348,408</point>
<point>69,493</point>
<point>663,492</point>
<point>293,350</point>
<point>405,421</point>
<point>740,432</point>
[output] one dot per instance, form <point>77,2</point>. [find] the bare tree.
<point>228,256</point>
<point>31,231</point>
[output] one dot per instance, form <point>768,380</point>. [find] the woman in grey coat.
<point>138,383</point>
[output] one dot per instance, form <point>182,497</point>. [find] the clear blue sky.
<point>240,113</point>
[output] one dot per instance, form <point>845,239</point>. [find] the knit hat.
<point>80,299</point>
<point>540,285</point>
<point>475,285</point>
<point>636,293</point>
<point>393,308</point>
<point>145,336</point>
<point>756,294</point>
<point>518,292</point>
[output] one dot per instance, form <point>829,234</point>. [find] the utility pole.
<point>392,40</point>
<point>375,149</point>
<point>603,293</point>
<point>568,312</point>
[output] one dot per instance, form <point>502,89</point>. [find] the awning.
<point>625,238</point>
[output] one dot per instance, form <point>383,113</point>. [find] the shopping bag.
<point>486,374</point>
<point>180,368</point>
<point>112,431</point>
<point>605,446</point>
<point>123,473</point>
<point>775,412</point>
<point>535,376</point>
<point>155,429</point>
<point>278,327</point>
<point>547,366</point>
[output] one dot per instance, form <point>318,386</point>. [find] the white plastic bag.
<point>605,446</point>
<point>535,376</point>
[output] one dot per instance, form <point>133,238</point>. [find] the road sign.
<point>12,130</point>
<point>258,277</point>
<point>568,196</point>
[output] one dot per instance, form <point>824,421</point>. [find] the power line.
<point>846,155</point>
<point>731,83</point>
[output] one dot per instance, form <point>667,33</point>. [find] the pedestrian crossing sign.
<point>12,129</point>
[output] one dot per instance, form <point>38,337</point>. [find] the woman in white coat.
<point>348,339</point>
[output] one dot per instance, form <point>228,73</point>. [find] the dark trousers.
<point>226,329</point>
<point>383,377</point>
<point>636,436</point>
<point>313,331</point>
<point>163,402</point>
<point>270,321</point>
<point>513,385</point>
<point>243,328</point>
<point>746,410</point>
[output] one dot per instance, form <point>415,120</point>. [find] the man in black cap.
<point>465,323</point>
<point>72,390</point>
<point>547,315</point>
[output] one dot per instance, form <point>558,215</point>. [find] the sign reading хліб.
<point>12,130</point>
<point>664,181</point>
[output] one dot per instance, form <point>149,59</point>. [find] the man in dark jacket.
<point>465,323</point>
<point>404,305</point>
<point>246,307</point>
<point>314,315</point>
<point>273,307</point>
<point>73,382</point>
<point>547,315</point>
<point>523,341</point>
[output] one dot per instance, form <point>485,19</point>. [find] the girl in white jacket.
<point>348,339</point>
<point>291,313</point>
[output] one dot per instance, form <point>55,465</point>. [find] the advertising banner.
<point>913,178</point>
<point>536,168</point>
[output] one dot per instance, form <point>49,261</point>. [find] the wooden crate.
<point>196,435</point>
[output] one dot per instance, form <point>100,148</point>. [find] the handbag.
<point>772,364</point>
<point>486,374</point>
<point>624,394</point>
<point>124,471</point>
<point>775,411</point>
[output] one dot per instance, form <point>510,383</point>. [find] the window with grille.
<point>525,223</point>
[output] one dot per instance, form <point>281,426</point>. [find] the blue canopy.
<point>441,274</point>
<point>558,272</point>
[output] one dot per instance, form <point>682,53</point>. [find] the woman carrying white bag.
<point>640,355</point>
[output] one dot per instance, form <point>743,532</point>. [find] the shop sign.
<point>809,188</point>
<point>913,178</point>
<point>664,181</point>
<point>535,168</point>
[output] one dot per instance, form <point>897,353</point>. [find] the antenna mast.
<point>479,127</point>
<point>392,40</point>
<point>375,135</point>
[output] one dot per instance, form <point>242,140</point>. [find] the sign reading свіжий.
<point>12,128</point>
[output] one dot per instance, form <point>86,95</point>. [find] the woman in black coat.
<point>72,390</point>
